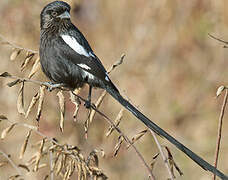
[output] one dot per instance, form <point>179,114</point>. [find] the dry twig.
<point>165,160</point>
<point>11,162</point>
<point>220,131</point>
<point>122,134</point>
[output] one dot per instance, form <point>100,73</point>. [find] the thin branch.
<point>19,80</point>
<point>34,129</point>
<point>122,134</point>
<point>117,63</point>
<point>165,160</point>
<point>220,131</point>
<point>51,165</point>
<point>11,162</point>
<point>16,46</point>
<point>93,107</point>
<point>220,40</point>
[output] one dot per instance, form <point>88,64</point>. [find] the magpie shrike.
<point>67,59</point>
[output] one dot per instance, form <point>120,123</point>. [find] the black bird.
<point>67,59</point>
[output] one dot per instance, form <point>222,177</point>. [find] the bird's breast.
<point>56,64</point>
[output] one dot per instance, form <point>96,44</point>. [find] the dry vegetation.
<point>171,71</point>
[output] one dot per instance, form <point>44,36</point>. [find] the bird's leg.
<point>88,101</point>
<point>51,85</point>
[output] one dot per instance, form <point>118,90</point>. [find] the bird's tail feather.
<point>201,162</point>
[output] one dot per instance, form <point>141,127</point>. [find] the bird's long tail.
<point>205,165</point>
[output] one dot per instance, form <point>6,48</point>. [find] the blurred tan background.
<point>171,71</point>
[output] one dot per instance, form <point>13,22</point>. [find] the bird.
<point>68,60</point>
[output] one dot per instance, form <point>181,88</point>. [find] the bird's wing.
<point>77,50</point>
<point>79,37</point>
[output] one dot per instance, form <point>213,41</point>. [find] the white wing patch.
<point>107,78</point>
<point>84,66</point>
<point>91,54</point>
<point>72,42</point>
<point>87,74</point>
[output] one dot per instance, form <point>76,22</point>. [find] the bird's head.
<point>53,13</point>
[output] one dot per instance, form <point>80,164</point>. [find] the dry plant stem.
<point>45,84</point>
<point>51,166</point>
<point>94,108</point>
<point>162,154</point>
<point>16,46</point>
<point>122,134</point>
<point>220,40</point>
<point>34,129</point>
<point>28,80</point>
<point>220,131</point>
<point>11,162</point>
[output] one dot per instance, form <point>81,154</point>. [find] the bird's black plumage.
<point>59,61</point>
<point>67,58</point>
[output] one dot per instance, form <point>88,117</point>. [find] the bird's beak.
<point>65,15</point>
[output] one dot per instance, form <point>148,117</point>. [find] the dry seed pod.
<point>76,102</point>
<point>156,155</point>
<point>40,105</point>
<point>42,166</point>
<point>39,155</point>
<point>118,145</point>
<point>117,122</point>
<point>24,146</point>
<point>138,136</point>
<point>24,167</point>
<point>32,103</point>
<point>84,171</point>
<point>20,100</point>
<point>59,166</point>
<point>97,104</point>
<point>7,130</point>
<point>32,160</point>
<point>172,163</point>
<point>92,159</point>
<point>5,74</point>
<point>96,170</point>
<point>72,167</point>
<point>67,173</point>
<point>56,160</point>
<point>35,68</point>
<point>152,164</point>
<point>102,153</point>
<point>28,58</point>
<point>2,117</point>
<point>13,83</point>
<point>62,109</point>
<point>14,54</point>
<point>79,169</point>
<point>14,177</point>
<point>46,177</point>
<point>53,147</point>
<point>31,127</point>
<point>86,128</point>
<point>117,63</point>
<point>220,90</point>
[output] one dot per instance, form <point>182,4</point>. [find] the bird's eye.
<point>54,13</point>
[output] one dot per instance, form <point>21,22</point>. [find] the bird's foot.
<point>50,85</point>
<point>89,105</point>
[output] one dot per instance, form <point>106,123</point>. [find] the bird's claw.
<point>50,85</point>
<point>89,105</point>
